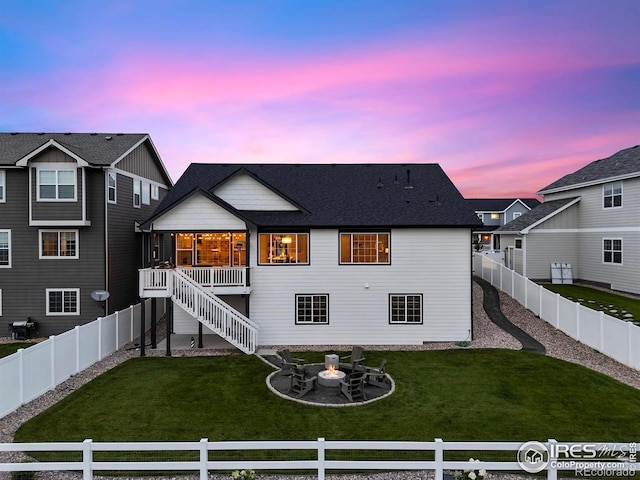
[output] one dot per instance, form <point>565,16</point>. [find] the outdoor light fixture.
<point>286,239</point>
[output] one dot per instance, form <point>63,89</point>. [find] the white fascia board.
<point>552,214</point>
<point>590,184</point>
<point>24,161</point>
<point>517,200</point>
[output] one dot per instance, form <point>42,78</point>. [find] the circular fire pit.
<point>331,377</point>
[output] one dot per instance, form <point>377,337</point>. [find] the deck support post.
<point>143,327</point>
<point>169,317</point>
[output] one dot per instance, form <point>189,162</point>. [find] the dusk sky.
<point>507,96</point>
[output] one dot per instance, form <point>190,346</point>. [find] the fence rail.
<point>611,336</point>
<point>436,455</point>
<point>33,371</point>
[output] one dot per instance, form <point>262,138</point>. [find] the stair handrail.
<point>245,337</point>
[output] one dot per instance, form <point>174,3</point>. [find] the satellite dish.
<point>100,295</point>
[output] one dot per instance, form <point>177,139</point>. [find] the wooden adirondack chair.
<point>353,386</point>
<point>377,376</point>
<point>300,383</point>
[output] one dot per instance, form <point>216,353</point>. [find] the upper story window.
<point>155,192</point>
<point>612,195</point>
<point>146,193</point>
<point>63,301</point>
<point>405,308</point>
<point>3,186</point>
<point>58,244</point>
<point>284,248</point>
<point>57,184</point>
<point>517,243</point>
<point>5,248</point>
<point>137,195</point>
<point>516,215</point>
<point>364,248</point>
<point>612,250</point>
<point>111,187</point>
<point>495,216</point>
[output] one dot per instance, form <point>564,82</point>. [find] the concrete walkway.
<point>491,304</point>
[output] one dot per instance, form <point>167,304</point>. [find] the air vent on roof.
<point>408,185</point>
<point>15,133</point>
<point>68,133</point>
<point>93,134</point>
<point>380,184</point>
<point>108,138</point>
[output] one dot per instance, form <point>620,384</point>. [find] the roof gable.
<point>540,214</point>
<point>623,164</point>
<point>486,205</point>
<point>245,192</point>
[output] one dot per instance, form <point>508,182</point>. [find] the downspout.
<point>471,279</point>
<point>524,255</point>
<point>106,235</point>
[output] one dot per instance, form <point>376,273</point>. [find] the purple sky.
<point>507,96</point>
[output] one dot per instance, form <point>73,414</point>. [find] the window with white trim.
<point>612,195</point>
<point>59,244</point>
<point>312,309</point>
<point>3,186</point>
<point>516,215</point>
<point>137,187</point>
<point>369,248</point>
<point>612,250</point>
<point>5,248</point>
<point>405,308</point>
<point>63,301</point>
<point>284,248</point>
<point>57,184</point>
<point>146,193</point>
<point>155,192</point>
<point>111,187</point>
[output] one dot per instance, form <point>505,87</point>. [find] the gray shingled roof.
<point>345,195</point>
<point>499,204</point>
<point>532,216</point>
<point>99,149</point>
<point>625,162</point>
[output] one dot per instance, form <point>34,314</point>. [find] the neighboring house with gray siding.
<point>70,204</point>
<point>495,212</point>
<point>318,254</point>
<point>590,219</point>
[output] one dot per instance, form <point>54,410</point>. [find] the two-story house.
<point>69,203</point>
<point>495,212</point>
<point>316,254</point>
<point>589,219</point>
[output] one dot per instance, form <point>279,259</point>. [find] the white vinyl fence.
<point>611,336</point>
<point>317,456</point>
<point>31,372</point>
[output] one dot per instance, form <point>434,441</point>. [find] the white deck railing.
<point>316,457</point>
<point>214,313</point>
<point>217,276</point>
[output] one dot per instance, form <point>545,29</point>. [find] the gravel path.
<point>486,335</point>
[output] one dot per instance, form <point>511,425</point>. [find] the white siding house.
<point>331,254</point>
<point>590,219</point>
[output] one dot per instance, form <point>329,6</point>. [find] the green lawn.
<point>453,394</point>
<point>610,303</point>
<point>7,349</point>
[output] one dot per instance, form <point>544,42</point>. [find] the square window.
<point>284,248</point>
<point>312,309</point>
<point>405,309</point>
<point>612,195</point>
<point>62,301</point>
<point>612,250</point>
<point>57,185</point>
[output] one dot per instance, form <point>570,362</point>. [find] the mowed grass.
<point>608,302</point>
<point>7,349</point>
<point>478,394</point>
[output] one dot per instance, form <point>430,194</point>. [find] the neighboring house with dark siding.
<point>70,204</point>
<point>589,218</point>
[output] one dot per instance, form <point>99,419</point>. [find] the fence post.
<point>117,329</point>
<point>577,321</point>
<point>21,375</point>
<point>526,292</point>
<point>131,321</point>
<point>77,330</point>
<point>557,325</point>
<point>99,338</point>
<point>540,307</point>
<point>439,458</point>
<point>552,468</point>
<point>87,459</point>
<point>52,361</point>
<point>321,457</point>
<point>204,458</point>
<point>601,337</point>
<point>630,345</point>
